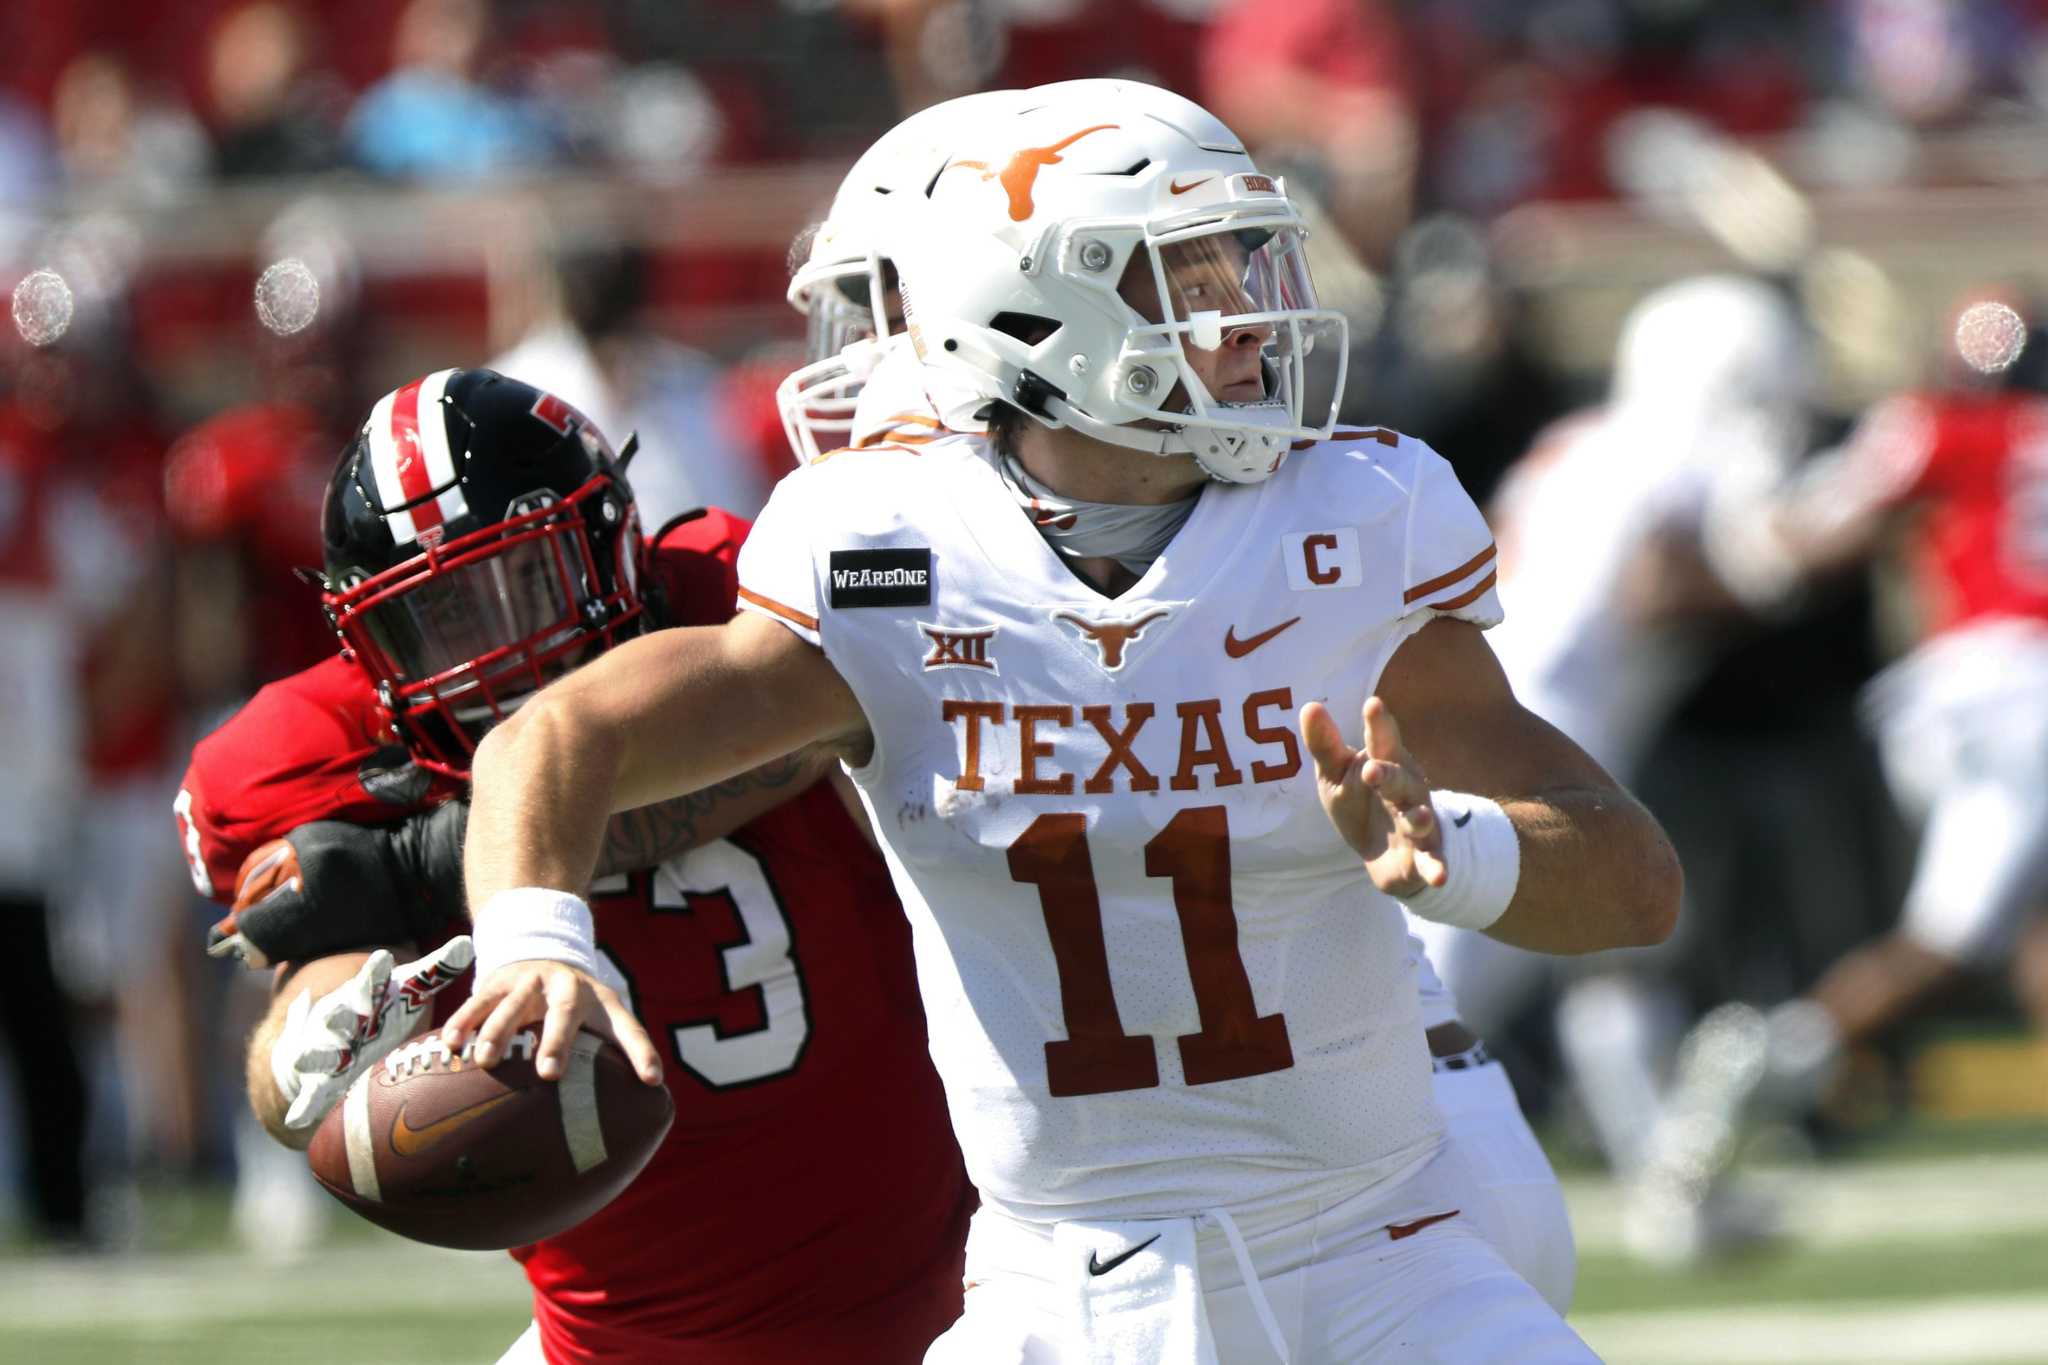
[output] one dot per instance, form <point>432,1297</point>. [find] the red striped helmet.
<point>481,540</point>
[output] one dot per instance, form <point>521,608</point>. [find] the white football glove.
<point>326,1043</point>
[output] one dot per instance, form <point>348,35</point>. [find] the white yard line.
<point>1963,1331</point>
<point>1856,1205</point>
<point>226,1286</point>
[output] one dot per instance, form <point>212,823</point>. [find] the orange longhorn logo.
<point>1020,173</point>
<point>1111,637</point>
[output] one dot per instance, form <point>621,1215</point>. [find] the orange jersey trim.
<point>893,429</point>
<point>769,604</point>
<point>1421,590</point>
<point>1471,595</point>
<point>898,443</point>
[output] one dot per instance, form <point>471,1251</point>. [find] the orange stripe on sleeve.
<point>1472,565</point>
<point>1471,595</point>
<point>790,614</point>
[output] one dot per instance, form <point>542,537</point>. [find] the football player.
<point>864,385</point>
<point>480,538</point>
<point>1157,925</point>
<point>1961,721</point>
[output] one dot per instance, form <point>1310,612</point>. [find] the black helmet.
<point>481,540</point>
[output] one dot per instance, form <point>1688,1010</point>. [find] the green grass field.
<point>1930,1249</point>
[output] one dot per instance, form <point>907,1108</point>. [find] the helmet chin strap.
<point>1243,455</point>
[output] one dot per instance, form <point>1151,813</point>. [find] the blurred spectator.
<point>118,142</point>
<point>1453,359</point>
<point>28,160</point>
<point>39,734</point>
<point>272,115</point>
<point>1320,89</point>
<point>432,117</point>
<point>243,489</point>
<point>587,337</point>
<point>113,889</point>
<point>1928,62</point>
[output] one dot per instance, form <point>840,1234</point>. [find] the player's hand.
<point>329,887</point>
<point>564,1000</point>
<point>1377,798</point>
<point>326,1043</point>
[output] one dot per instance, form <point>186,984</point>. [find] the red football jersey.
<point>251,480</point>
<point>1976,467</point>
<point>809,1203</point>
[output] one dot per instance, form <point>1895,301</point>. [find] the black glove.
<point>329,887</point>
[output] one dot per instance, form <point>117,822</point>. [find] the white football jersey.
<point>1156,979</point>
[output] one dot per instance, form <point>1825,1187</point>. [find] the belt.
<point>1453,1047</point>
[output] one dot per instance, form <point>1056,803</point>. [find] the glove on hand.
<point>327,1043</point>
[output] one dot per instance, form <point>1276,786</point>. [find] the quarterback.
<point>1091,665</point>
<point>864,385</point>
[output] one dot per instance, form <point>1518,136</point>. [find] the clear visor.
<point>837,301</point>
<point>522,596</point>
<point>1217,285</point>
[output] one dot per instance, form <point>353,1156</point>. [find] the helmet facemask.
<point>458,637</point>
<point>845,336</point>
<point>1222,319</point>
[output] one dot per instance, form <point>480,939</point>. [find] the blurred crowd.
<point>151,526</point>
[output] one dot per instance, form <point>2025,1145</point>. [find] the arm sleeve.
<point>1450,559</point>
<point>778,572</point>
<point>303,749</point>
<point>695,564</point>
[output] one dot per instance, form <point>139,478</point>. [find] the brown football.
<point>438,1149</point>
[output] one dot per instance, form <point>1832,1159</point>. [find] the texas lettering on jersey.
<point>1110,839</point>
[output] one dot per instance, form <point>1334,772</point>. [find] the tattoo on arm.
<point>651,835</point>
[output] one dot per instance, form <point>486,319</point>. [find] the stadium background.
<point>1496,184</point>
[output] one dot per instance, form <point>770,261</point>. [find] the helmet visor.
<point>519,596</point>
<point>1231,309</point>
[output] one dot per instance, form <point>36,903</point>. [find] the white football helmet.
<point>1069,255</point>
<point>846,271</point>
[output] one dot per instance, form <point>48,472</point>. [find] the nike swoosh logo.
<point>1177,188</point>
<point>1462,820</point>
<point>1237,648</point>
<point>1096,1267</point>
<point>1396,1231</point>
<point>407,1140</point>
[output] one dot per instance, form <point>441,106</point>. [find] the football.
<point>438,1149</point>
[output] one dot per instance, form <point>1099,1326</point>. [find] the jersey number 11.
<point>1097,1057</point>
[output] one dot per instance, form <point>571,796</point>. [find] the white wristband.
<point>1483,857</point>
<point>535,922</point>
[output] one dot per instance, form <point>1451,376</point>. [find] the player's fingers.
<point>317,1061</point>
<point>564,995</point>
<point>1400,786</point>
<point>1383,732</point>
<point>625,1029</point>
<point>437,971</point>
<point>366,987</point>
<point>1325,742</point>
<point>471,1013</point>
<point>456,955</point>
<point>1416,822</point>
<point>1429,865</point>
<point>308,1107</point>
<point>518,1007</point>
